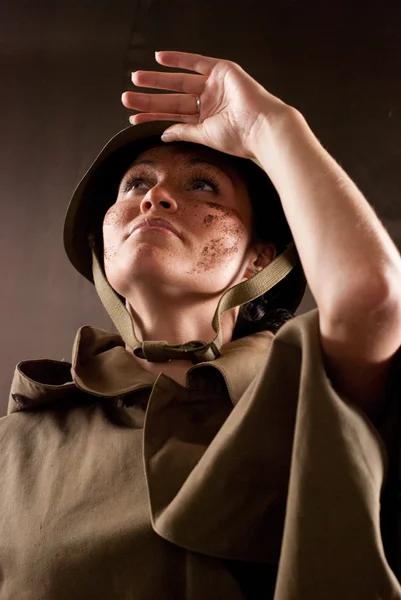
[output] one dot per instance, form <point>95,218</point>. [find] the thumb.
<point>183,133</point>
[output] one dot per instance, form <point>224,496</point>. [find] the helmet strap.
<point>195,350</point>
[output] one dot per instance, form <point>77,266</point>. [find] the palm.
<point>232,103</point>
<point>227,114</point>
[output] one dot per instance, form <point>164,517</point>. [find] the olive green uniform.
<point>256,480</point>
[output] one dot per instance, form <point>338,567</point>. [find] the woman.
<point>228,461</point>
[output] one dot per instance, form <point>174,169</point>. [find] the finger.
<point>183,104</point>
<point>184,133</point>
<point>186,60</point>
<point>176,82</point>
<point>145,117</point>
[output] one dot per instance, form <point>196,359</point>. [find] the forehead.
<point>182,154</point>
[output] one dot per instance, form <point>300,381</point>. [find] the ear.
<point>262,255</point>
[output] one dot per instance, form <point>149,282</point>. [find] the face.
<point>193,189</point>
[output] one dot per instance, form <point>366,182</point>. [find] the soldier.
<point>217,447</point>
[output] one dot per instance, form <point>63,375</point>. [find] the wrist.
<point>273,129</point>
<point>279,141</point>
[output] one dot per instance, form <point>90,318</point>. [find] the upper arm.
<point>358,353</point>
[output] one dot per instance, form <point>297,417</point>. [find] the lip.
<point>159,223</point>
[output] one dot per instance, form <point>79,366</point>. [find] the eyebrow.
<point>190,162</point>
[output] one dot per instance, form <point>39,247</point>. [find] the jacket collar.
<point>101,366</point>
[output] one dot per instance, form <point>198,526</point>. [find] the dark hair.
<point>257,316</point>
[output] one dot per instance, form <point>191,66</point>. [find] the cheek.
<point>114,225</point>
<point>119,214</point>
<point>226,241</point>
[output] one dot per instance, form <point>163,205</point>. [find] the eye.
<point>135,185</point>
<point>198,184</point>
<point>132,183</point>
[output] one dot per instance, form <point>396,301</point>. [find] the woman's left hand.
<point>233,106</point>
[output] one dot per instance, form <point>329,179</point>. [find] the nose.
<point>158,197</point>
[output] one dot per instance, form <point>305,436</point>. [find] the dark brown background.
<point>63,69</point>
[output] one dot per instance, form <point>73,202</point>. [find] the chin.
<point>142,271</point>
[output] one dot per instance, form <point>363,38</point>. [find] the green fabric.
<point>255,480</point>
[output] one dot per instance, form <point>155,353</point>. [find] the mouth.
<point>154,224</point>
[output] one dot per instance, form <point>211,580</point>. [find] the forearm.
<point>348,257</point>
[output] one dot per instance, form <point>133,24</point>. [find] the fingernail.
<point>131,120</point>
<point>167,137</point>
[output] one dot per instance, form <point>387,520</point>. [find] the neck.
<point>158,318</point>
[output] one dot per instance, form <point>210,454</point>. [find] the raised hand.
<point>233,106</point>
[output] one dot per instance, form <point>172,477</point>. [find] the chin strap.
<point>195,350</point>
